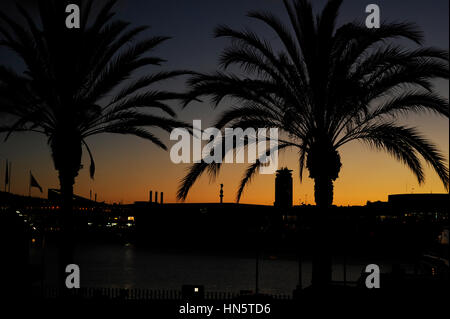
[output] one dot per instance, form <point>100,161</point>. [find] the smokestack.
<point>156,197</point>
<point>162,197</point>
<point>151,196</point>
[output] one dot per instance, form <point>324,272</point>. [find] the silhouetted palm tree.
<point>328,86</point>
<point>75,83</point>
<point>73,86</point>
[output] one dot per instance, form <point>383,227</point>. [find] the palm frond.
<point>248,175</point>
<point>137,131</point>
<point>92,165</point>
<point>405,143</point>
<point>186,183</point>
<point>147,81</point>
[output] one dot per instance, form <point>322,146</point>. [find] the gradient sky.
<point>128,167</point>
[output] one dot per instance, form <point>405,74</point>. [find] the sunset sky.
<point>128,167</point>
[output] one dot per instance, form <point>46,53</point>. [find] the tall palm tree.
<point>76,83</point>
<point>327,87</point>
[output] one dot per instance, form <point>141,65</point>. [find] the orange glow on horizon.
<point>128,176</point>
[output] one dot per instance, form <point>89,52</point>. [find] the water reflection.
<point>126,266</point>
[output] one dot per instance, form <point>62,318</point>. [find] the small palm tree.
<point>75,84</point>
<point>328,87</point>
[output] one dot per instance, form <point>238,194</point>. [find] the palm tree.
<point>71,88</point>
<point>327,87</point>
<point>75,84</point>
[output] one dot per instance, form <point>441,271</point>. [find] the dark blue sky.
<point>191,23</point>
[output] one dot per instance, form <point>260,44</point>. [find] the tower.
<point>283,188</point>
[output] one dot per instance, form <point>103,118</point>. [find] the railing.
<point>142,294</point>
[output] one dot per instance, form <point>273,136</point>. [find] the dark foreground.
<point>338,300</point>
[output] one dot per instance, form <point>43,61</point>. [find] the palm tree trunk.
<point>66,153</point>
<point>321,264</point>
<point>66,243</point>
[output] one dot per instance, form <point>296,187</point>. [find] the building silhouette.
<point>283,188</point>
